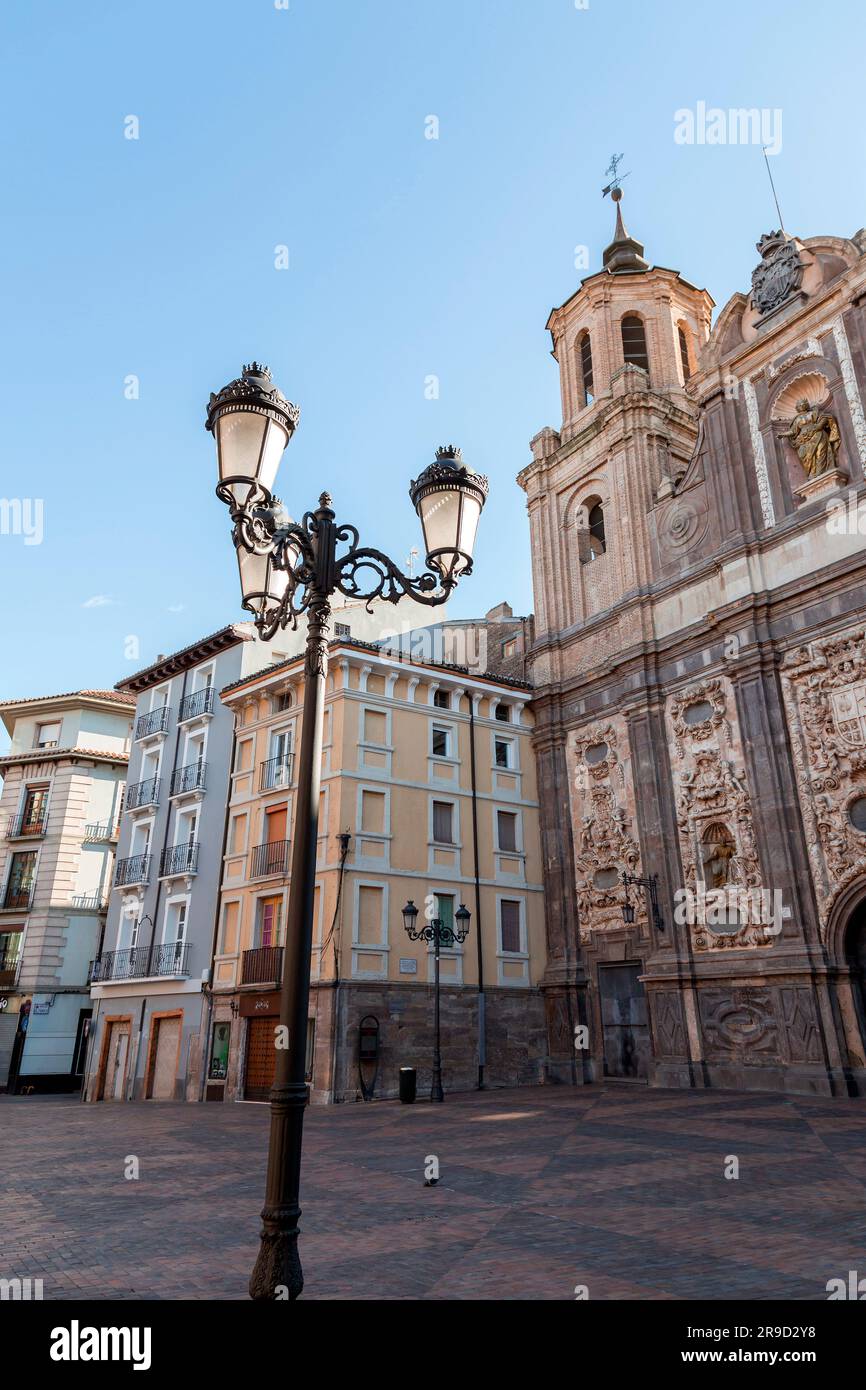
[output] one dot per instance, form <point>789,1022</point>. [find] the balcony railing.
<point>155,722</point>
<point>198,703</point>
<point>140,963</point>
<point>90,903</point>
<point>99,830</point>
<point>25,827</point>
<point>18,896</point>
<point>272,858</point>
<point>188,779</point>
<point>179,859</point>
<point>262,965</point>
<point>276,772</point>
<point>144,793</point>
<point>135,869</point>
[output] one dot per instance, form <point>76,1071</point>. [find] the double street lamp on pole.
<point>291,569</point>
<point>440,934</point>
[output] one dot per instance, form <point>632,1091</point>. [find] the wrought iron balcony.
<point>135,869</point>
<point>262,965</point>
<point>100,831</point>
<point>267,860</point>
<point>144,793</point>
<point>154,722</point>
<point>198,703</point>
<point>188,779</point>
<point>17,897</point>
<point>140,963</point>
<point>89,903</point>
<point>179,859</point>
<point>276,772</point>
<point>26,827</point>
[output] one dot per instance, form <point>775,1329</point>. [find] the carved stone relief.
<point>602,810</point>
<point>714,813</point>
<point>824,690</point>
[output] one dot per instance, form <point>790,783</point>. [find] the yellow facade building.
<point>429,795</point>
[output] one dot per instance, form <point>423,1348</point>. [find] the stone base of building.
<point>398,1032</point>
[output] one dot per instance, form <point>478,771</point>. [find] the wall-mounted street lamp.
<point>651,886</point>
<point>289,569</point>
<point>440,934</point>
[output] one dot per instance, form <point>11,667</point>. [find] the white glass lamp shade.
<point>262,584</point>
<point>252,423</point>
<point>448,498</point>
<point>249,448</point>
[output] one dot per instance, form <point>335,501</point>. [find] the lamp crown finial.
<point>449,451</point>
<point>256,369</point>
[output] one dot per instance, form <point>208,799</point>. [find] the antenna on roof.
<point>773,186</point>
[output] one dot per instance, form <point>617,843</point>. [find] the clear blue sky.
<point>408,257</point>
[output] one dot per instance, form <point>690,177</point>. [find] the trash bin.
<point>408,1083</point>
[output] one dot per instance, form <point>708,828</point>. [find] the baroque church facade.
<point>698,530</point>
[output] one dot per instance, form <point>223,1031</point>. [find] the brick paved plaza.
<point>620,1189</point>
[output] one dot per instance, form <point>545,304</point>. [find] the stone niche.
<point>714,818</point>
<point>602,801</point>
<point>824,690</point>
<point>810,387</point>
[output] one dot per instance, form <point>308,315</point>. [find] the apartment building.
<point>428,794</point>
<point>150,984</point>
<point>63,780</point>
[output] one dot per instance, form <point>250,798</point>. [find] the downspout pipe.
<point>479,944</point>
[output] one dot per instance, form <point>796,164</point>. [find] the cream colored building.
<point>400,782</point>
<point>63,780</point>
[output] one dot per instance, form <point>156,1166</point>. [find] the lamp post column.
<point>278,1264</point>
<point>436,1092</point>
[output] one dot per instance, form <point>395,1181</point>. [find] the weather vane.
<point>615,179</point>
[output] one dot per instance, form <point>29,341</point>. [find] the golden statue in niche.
<point>815,436</point>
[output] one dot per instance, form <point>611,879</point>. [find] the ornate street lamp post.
<point>288,569</point>
<point>440,934</point>
<point>651,885</point>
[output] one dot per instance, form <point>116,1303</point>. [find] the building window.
<point>585,349</point>
<point>20,883</point>
<point>443,822</point>
<point>33,811</point>
<point>634,342</point>
<point>509,648</point>
<point>342,630</point>
<point>244,755</point>
<point>371,930</point>
<point>503,750</point>
<point>441,742</point>
<point>374,727</point>
<point>269,917</point>
<point>280,701</point>
<point>442,699</point>
<point>47,735</point>
<point>445,908</point>
<point>506,831</point>
<point>509,925</point>
<point>373,812</point>
<point>229,933</point>
<point>684,352</point>
<point>597,543</point>
<point>502,713</point>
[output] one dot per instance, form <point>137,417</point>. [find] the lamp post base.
<point>277,1274</point>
